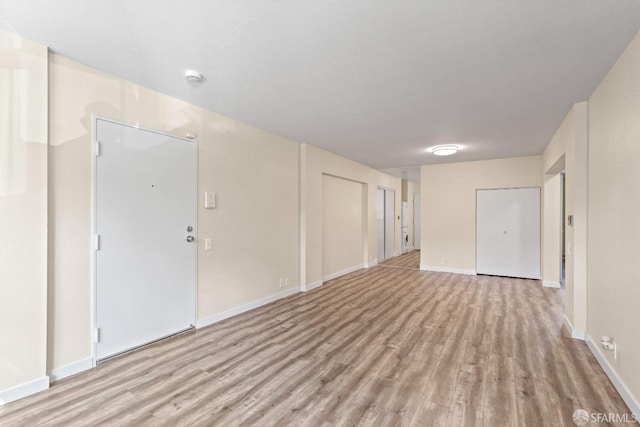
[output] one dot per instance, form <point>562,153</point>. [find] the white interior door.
<point>508,232</point>
<point>380,223</point>
<point>416,221</point>
<point>145,266</point>
<point>389,223</point>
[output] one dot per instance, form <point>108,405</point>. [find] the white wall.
<point>23,216</point>
<point>614,216</point>
<point>343,225</point>
<point>448,211</point>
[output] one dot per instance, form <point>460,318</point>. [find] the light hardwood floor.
<point>382,346</point>
<point>408,260</point>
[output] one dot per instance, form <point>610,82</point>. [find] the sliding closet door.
<point>508,232</point>
<point>386,211</point>
<point>380,223</point>
<point>389,223</point>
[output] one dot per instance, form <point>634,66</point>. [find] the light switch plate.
<point>209,200</point>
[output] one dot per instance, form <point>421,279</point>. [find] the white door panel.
<point>389,223</point>
<point>145,268</point>
<point>380,223</point>
<point>385,211</point>
<point>508,232</point>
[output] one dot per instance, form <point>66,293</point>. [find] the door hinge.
<point>97,148</point>
<point>97,243</point>
<point>96,337</point>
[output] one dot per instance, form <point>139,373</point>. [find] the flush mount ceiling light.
<point>193,76</point>
<point>445,150</point>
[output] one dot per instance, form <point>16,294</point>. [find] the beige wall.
<point>315,162</point>
<point>254,174</point>
<point>255,228</point>
<point>343,225</point>
<point>614,215</point>
<point>270,218</point>
<point>448,211</point>
<point>23,212</point>
<point>552,221</point>
<point>567,151</point>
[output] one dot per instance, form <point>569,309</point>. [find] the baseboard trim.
<point>313,286</point>
<point>210,320</point>
<point>24,390</point>
<point>342,272</point>
<point>575,333</point>
<point>371,264</point>
<point>447,270</point>
<point>70,369</point>
<point>398,253</point>
<point>624,391</point>
<point>548,284</point>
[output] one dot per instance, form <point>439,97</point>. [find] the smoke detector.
<point>193,76</point>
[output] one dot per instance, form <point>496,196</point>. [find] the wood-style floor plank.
<point>385,346</point>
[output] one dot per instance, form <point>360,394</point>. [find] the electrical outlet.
<point>281,283</point>
<point>609,344</point>
<point>286,282</point>
<point>442,261</point>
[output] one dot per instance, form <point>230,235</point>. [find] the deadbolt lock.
<point>189,229</point>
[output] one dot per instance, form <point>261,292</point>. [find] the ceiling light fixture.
<point>193,76</point>
<point>445,150</point>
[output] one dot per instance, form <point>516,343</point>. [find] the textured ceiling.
<point>374,81</point>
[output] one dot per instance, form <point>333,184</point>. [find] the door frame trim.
<point>94,213</point>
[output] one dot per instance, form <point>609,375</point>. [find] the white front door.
<point>508,232</point>
<point>145,264</point>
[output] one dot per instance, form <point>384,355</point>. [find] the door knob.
<point>190,239</point>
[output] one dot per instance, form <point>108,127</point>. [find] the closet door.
<point>389,223</point>
<point>508,232</point>
<point>380,223</point>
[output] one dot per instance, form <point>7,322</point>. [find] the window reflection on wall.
<point>23,112</point>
